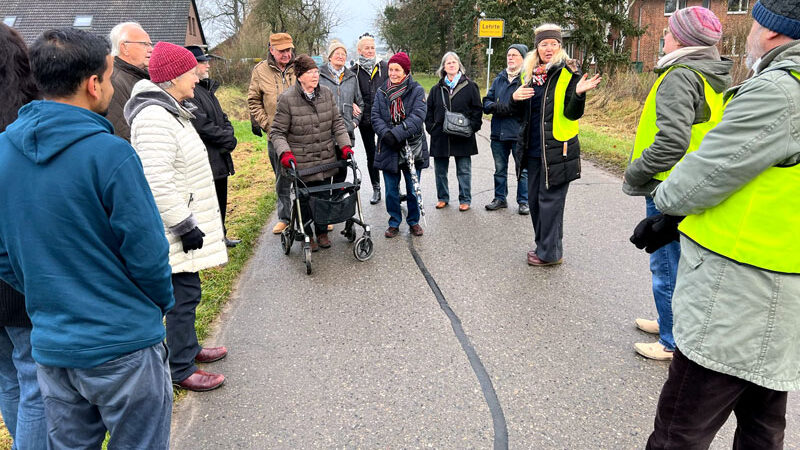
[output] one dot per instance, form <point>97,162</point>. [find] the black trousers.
<point>547,212</point>
<point>181,335</point>
<point>368,136</point>
<point>221,186</point>
<point>695,402</point>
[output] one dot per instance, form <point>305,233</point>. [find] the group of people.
<point>115,155</point>
<point>125,222</point>
<point>392,112</point>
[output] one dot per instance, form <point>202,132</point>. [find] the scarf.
<point>367,64</point>
<point>513,74</point>
<point>394,93</point>
<point>539,76</point>
<point>452,84</point>
<point>673,57</point>
<point>337,74</point>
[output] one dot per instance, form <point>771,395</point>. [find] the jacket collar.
<point>120,64</point>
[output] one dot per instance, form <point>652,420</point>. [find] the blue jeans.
<point>20,399</point>
<point>664,267</point>
<point>392,182</point>
<point>463,173</point>
<point>500,151</point>
<point>130,396</point>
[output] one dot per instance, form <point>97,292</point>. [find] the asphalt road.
<point>444,341</point>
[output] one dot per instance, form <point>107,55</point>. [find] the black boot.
<point>376,194</point>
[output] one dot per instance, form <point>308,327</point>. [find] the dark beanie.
<point>402,59</point>
<point>302,64</point>
<point>780,16</point>
<point>521,48</point>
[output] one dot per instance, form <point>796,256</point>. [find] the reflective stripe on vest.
<point>757,225</point>
<point>563,128</point>
<point>647,129</point>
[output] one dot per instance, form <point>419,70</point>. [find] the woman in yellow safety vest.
<point>551,100</point>
<point>685,103</point>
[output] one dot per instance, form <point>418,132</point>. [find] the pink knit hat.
<point>694,26</point>
<point>169,61</point>
<point>402,59</point>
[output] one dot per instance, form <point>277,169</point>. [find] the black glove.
<point>192,240</point>
<point>256,129</point>
<point>390,141</point>
<point>655,232</point>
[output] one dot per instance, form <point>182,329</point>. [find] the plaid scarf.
<point>539,76</point>
<point>394,92</point>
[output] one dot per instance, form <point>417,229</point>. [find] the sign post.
<point>490,28</point>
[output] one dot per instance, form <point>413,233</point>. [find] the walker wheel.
<point>363,248</point>
<point>287,239</point>
<point>307,259</point>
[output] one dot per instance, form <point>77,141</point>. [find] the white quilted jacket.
<point>177,168</point>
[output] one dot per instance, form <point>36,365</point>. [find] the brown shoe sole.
<point>441,205</point>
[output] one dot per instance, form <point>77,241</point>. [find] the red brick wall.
<point>649,14</point>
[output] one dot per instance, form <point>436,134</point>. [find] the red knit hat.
<point>399,58</point>
<point>169,61</point>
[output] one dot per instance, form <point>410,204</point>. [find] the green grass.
<point>610,151</point>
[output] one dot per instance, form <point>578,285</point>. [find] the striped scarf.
<point>394,92</point>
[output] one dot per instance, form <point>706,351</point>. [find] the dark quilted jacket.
<point>310,129</point>
<point>124,77</point>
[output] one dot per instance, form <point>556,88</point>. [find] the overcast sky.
<point>356,17</point>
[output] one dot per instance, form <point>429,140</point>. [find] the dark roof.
<point>164,20</point>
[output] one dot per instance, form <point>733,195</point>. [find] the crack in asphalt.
<point>498,418</point>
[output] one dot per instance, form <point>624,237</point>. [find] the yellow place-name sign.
<point>491,28</point>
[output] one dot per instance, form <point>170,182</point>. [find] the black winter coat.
<point>505,125</point>
<point>467,100</point>
<point>214,128</point>
<point>388,159</point>
<point>559,168</point>
<point>368,86</point>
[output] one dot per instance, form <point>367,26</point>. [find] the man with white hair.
<point>131,48</point>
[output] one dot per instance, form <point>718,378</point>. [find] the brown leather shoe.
<point>391,232</point>
<point>417,230</point>
<point>211,354</point>
<point>463,207</point>
<point>201,381</point>
<point>441,205</point>
<point>534,260</point>
<point>323,240</point>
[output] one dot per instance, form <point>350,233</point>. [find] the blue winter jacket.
<point>505,125</point>
<point>81,237</point>
<point>414,104</point>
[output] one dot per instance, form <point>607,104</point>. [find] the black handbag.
<point>414,144</point>
<point>455,124</point>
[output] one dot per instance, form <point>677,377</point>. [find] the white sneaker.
<point>653,351</point>
<point>648,326</point>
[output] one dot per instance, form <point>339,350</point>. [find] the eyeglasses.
<point>544,44</point>
<point>145,43</point>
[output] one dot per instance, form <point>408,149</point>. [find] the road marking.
<point>498,419</point>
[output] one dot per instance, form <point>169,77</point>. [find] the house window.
<point>82,22</point>
<point>738,6</point>
<point>670,6</point>
<point>10,20</point>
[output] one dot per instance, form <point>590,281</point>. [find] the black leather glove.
<point>192,240</point>
<point>390,141</point>
<point>256,129</point>
<point>655,232</point>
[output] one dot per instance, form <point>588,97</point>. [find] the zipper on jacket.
<point>191,198</point>
<point>544,147</point>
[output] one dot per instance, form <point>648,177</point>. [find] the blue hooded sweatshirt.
<point>81,237</point>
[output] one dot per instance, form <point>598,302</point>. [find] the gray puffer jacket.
<point>345,93</point>
<point>310,129</point>
<point>680,103</point>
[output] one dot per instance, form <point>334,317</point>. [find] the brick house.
<point>652,15</point>
<point>174,21</point>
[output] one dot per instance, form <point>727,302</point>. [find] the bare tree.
<point>224,18</point>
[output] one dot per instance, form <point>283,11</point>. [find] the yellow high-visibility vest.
<point>647,129</point>
<point>563,128</point>
<point>758,225</point>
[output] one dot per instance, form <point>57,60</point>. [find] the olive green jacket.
<point>730,317</point>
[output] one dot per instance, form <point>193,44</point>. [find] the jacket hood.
<point>717,71</point>
<point>786,56</point>
<point>145,93</point>
<point>45,128</point>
